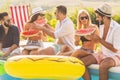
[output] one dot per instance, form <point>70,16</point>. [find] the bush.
<point>117,18</point>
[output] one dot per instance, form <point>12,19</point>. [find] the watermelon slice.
<point>30,33</point>
<point>83,32</point>
<point>41,22</point>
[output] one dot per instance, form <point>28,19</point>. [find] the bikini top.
<point>83,39</point>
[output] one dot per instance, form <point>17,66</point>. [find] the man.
<point>110,44</point>
<point>63,34</point>
<point>9,36</point>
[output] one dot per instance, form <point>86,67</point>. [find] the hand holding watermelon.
<point>95,38</point>
<point>30,33</point>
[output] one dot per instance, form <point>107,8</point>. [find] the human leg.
<point>65,48</point>
<point>88,60</point>
<point>79,53</point>
<point>46,51</point>
<point>104,66</point>
<point>34,52</point>
<point>15,52</point>
<point>25,52</point>
<point>65,51</point>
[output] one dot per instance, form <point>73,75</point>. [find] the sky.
<point>53,3</point>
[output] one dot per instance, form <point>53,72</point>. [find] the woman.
<point>88,46</point>
<point>37,39</point>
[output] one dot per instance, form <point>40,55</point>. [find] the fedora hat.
<point>105,9</point>
<point>37,10</point>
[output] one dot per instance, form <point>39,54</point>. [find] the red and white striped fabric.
<point>20,15</point>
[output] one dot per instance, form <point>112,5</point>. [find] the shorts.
<point>100,56</point>
<point>87,50</point>
<point>35,43</point>
<point>15,51</point>
<point>56,47</point>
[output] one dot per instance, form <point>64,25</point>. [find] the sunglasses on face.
<point>83,17</point>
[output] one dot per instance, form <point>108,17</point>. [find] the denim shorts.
<point>56,47</point>
<point>35,43</point>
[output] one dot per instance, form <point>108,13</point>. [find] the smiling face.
<point>7,21</point>
<point>58,14</point>
<point>100,19</point>
<point>39,18</point>
<point>83,18</point>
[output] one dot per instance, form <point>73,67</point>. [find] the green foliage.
<point>117,18</point>
<point>50,39</point>
<point>4,7</point>
<point>73,17</point>
<point>51,19</point>
<point>52,22</point>
<point>92,14</point>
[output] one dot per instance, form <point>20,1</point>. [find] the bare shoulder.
<point>93,26</point>
<point>28,24</point>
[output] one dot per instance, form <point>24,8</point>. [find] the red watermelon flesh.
<point>87,31</point>
<point>41,22</point>
<point>30,33</point>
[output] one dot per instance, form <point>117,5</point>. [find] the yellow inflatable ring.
<point>44,66</point>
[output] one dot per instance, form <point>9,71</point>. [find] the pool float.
<point>3,74</point>
<point>2,71</point>
<point>44,66</point>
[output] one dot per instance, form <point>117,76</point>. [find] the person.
<point>37,40</point>
<point>9,36</point>
<point>109,38</point>
<point>88,45</point>
<point>63,33</point>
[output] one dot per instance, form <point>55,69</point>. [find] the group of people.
<point>107,35</point>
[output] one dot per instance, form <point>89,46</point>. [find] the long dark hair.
<point>34,17</point>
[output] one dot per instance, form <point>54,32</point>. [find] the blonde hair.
<point>79,24</point>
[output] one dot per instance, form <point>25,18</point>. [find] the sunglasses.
<point>83,17</point>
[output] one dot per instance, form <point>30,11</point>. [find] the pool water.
<point>7,77</point>
<point>95,78</point>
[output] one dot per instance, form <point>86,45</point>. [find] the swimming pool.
<point>114,72</point>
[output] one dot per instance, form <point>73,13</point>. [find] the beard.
<point>101,22</point>
<point>6,24</point>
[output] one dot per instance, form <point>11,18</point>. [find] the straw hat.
<point>105,9</point>
<point>37,10</point>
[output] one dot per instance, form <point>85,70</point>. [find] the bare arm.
<point>49,32</point>
<point>46,29</point>
<point>77,40</point>
<point>14,46</point>
<point>108,45</point>
<point>0,46</point>
<point>104,43</point>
